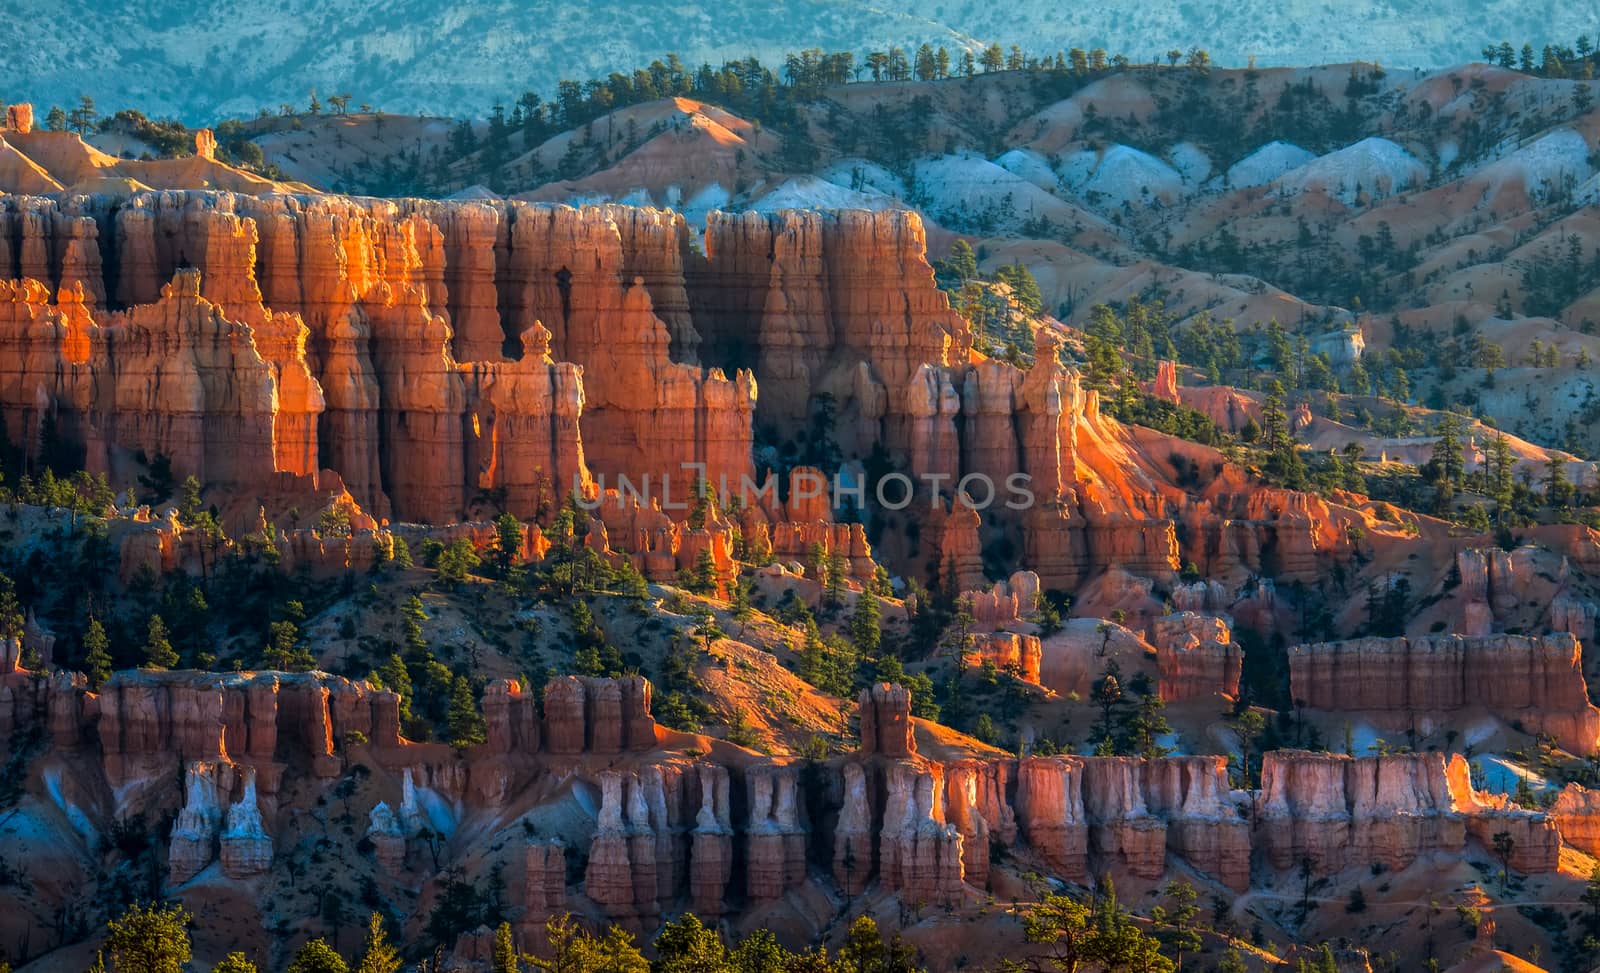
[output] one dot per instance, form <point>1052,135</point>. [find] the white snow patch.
<point>1557,160</point>
<point>970,191</point>
<point>1373,166</point>
<point>1192,161</point>
<point>1121,175</point>
<point>1480,731</point>
<point>442,814</point>
<point>809,192</point>
<point>863,176</point>
<point>1448,152</point>
<point>640,196</point>
<point>1500,775</point>
<point>474,191</point>
<point>1266,164</point>
<point>1127,175</point>
<point>1030,165</point>
<point>75,815</point>
<point>700,205</point>
<point>1075,169</point>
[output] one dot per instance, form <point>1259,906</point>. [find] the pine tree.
<point>1447,453</point>
<point>400,554</point>
<point>149,939</point>
<point>740,605</point>
<point>392,675</point>
<point>1557,488</point>
<point>317,956</point>
<point>466,724</point>
<point>703,579</point>
<point>834,583</point>
<point>507,543</point>
<point>412,616</point>
<point>504,958</point>
<point>1502,471</point>
<point>158,651</point>
<point>97,654</point>
<point>380,956</point>
<point>865,630</point>
<point>235,963</point>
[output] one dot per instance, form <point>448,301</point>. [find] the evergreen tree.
<point>1447,459</point>
<point>865,630</point>
<point>317,956</point>
<point>741,608</point>
<point>833,585</point>
<point>400,554</point>
<point>1502,471</point>
<point>1174,921</point>
<point>158,651</point>
<point>97,654</point>
<point>149,939</point>
<point>1557,488</point>
<point>502,960</point>
<point>380,956</point>
<point>466,724</point>
<point>629,582</point>
<point>235,963</point>
<point>687,946</point>
<point>1283,464</point>
<point>703,579</point>
<point>456,561</point>
<point>507,543</point>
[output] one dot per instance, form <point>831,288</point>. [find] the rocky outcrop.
<point>603,716</point>
<point>711,854</point>
<point>919,853</point>
<point>842,304</point>
<point>1127,813</point>
<point>645,413</point>
<point>1576,813</point>
<point>388,837</point>
<point>150,722</point>
<point>1008,603</point>
<point>1195,656</point>
<point>1537,682</point>
<point>852,834</point>
<point>246,846</point>
<point>511,716</point>
<point>524,419</point>
<point>885,715</point>
<point>775,853</point>
<point>19,118</point>
<point>633,860</point>
<point>1165,386</point>
<point>1204,826</point>
<point>1008,652</point>
<point>544,884</point>
<point>1337,812</point>
<point>194,835</point>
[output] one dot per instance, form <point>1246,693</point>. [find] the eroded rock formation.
<point>1338,811</point>
<point>1537,681</point>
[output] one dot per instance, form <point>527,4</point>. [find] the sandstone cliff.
<point>1537,681</point>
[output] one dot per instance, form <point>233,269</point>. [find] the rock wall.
<point>446,359</point>
<point>1125,814</point>
<point>584,714</point>
<point>1338,811</point>
<point>1537,681</point>
<point>1196,656</point>
<point>885,716</point>
<point>665,829</point>
<point>1009,652</point>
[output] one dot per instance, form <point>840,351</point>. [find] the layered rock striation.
<point>1536,681</point>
